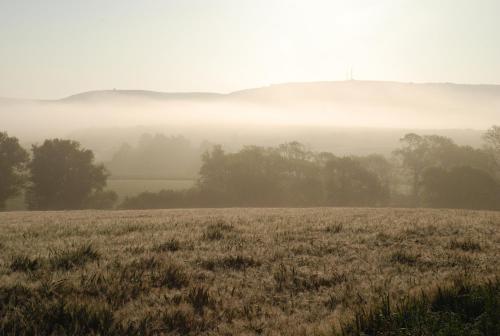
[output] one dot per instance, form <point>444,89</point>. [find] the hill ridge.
<point>87,95</point>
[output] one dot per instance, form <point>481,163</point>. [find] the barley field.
<point>230,271</point>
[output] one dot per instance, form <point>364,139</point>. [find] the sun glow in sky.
<point>52,49</point>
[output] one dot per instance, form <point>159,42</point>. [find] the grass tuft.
<point>24,264</point>
<point>171,245</point>
<point>213,233</point>
<point>199,297</point>
<point>170,276</point>
<point>181,321</point>
<point>289,278</point>
<point>238,262</point>
<point>459,310</point>
<point>467,245</point>
<point>36,311</point>
<point>403,257</point>
<point>335,228</point>
<point>71,258</point>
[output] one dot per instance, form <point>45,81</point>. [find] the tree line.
<point>425,171</point>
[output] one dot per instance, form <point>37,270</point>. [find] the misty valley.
<point>250,168</point>
<point>286,228</point>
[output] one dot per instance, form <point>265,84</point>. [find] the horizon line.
<point>246,89</point>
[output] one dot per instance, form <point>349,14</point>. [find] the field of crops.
<point>230,271</point>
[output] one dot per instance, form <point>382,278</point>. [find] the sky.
<point>54,48</point>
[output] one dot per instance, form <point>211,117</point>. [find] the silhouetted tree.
<point>419,153</point>
<point>492,140</point>
<point>300,174</point>
<point>63,176</point>
<point>251,177</point>
<point>213,173</point>
<point>13,159</point>
<point>350,184</point>
<point>460,187</point>
<point>286,175</point>
<point>492,137</point>
<point>382,168</point>
<point>414,160</point>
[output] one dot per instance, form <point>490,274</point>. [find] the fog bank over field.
<point>364,116</point>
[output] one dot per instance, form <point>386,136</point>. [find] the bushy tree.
<point>492,138</point>
<point>348,183</point>
<point>213,173</point>
<point>460,187</point>
<point>492,144</point>
<point>284,175</point>
<point>63,176</point>
<point>248,177</point>
<point>418,153</point>
<point>382,168</point>
<point>301,175</point>
<point>13,159</point>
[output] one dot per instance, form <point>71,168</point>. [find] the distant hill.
<point>372,92</point>
<point>340,92</point>
<point>323,105</point>
<point>116,95</point>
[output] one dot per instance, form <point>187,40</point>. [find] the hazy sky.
<point>54,48</point>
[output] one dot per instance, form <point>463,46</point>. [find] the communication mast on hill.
<point>350,76</point>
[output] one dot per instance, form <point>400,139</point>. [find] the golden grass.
<point>245,271</point>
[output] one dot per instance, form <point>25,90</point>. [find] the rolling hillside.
<point>343,117</point>
<point>374,93</point>
<point>341,104</point>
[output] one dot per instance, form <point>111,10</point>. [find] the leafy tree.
<point>382,168</point>
<point>492,140</point>
<point>460,187</point>
<point>63,176</point>
<point>414,160</point>
<point>350,184</point>
<point>252,177</point>
<point>13,159</point>
<point>419,153</point>
<point>213,172</point>
<point>300,174</point>
<point>261,176</point>
<point>294,151</point>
